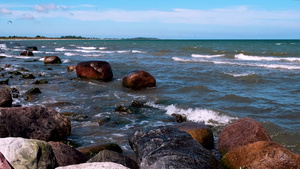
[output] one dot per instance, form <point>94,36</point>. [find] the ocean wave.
<point>206,56</point>
<point>70,54</point>
<point>263,58</point>
<point>240,74</point>
<point>137,51</point>
<point>209,117</point>
<point>86,48</point>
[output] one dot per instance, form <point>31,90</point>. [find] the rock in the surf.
<point>98,70</point>
<point>35,122</point>
<point>26,53</point>
<point>31,48</point>
<point>71,68</point>
<point>261,154</point>
<point>52,60</point>
<point>138,79</point>
<point>168,147</point>
<point>242,132</point>
<point>200,132</point>
<point>5,98</point>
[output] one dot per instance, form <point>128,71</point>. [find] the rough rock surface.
<point>52,60</point>
<point>26,53</point>
<point>27,153</point>
<point>99,165</point>
<point>200,132</point>
<point>67,155</point>
<point>95,149</point>
<point>35,122</point>
<point>167,147</point>
<point>138,79</point>
<point>112,156</point>
<point>98,70</point>
<point>4,164</point>
<point>242,132</point>
<point>262,154</point>
<point>71,68</point>
<point>5,98</point>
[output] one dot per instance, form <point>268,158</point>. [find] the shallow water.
<point>210,81</point>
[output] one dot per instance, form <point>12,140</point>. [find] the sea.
<point>214,82</point>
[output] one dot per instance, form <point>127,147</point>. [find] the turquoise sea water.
<point>209,81</point>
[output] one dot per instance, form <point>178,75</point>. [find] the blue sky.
<point>167,19</point>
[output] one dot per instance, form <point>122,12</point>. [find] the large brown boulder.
<point>67,155</point>
<point>242,132</point>
<point>5,98</point>
<point>200,132</point>
<point>262,154</point>
<point>35,123</point>
<point>138,79</point>
<point>98,70</point>
<point>52,60</point>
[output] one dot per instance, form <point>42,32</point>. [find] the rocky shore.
<point>33,137</point>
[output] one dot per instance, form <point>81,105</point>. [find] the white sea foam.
<point>206,56</point>
<point>123,51</point>
<point>240,74</point>
<point>137,51</point>
<point>103,48</point>
<point>263,58</point>
<point>66,60</point>
<point>87,48</point>
<point>70,54</point>
<point>209,117</point>
<point>3,46</point>
<point>60,49</point>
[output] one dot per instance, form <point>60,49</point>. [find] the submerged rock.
<point>5,98</point>
<point>167,147</point>
<point>52,60</point>
<point>98,70</point>
<point>26,53</point>
<point>31,48</point>
<point>138,79</point>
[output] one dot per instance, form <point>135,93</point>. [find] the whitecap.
<point>60,49</point>
<point>263,58</point>
<point>207,56</point>
<point>137,51</point>
<point>240,74</point>
<point>66,60</point>
<point>86,48</point>
<point>69,54</point>
<point>103,48</point>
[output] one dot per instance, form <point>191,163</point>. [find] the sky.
<point>165,19</point>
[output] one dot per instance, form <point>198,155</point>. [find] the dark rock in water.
<point>112,156</point>
<point>200,132</point>
<point>167,147</point>
<point>71,68</point>
<point>15,73</point>
<point>2,81</point>
<point>40,82</point>
<point>23,69</point>
<point>67,155</point>
<point>34,90</point>
<point>2,57</point>
<point>32,48</point>
<point>91,151</point>
<point>14,92</point>
<point>52,60</point>
<point>261,154</point>
<point>137,104</point>
<point>26,53</point>
<point>4,164</point>
<point>179,117</point>
<point>242,132</point>
<point>35,123</point>
<point>98,70</point>
<point>28,76</point>
<point>5,98</point>
<point>123,109</point>
<point>103,120</point>
<point>138,79</point>
<point>3,132</point>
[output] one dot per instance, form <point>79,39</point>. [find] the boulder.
<point>26,53</point>
<point>261,154</point>
<point>35,122</point>
<point>27,153</point>
<point>98,70</point>
<point>4,164</point>
<point>71,68</point>
<point>200,132</point>
<point>67,155</point>
<point>242,132</point>
<point>95,149</point>
<point>5,98</point>
<point>99,165</point>
<point>4,81</point>
<point>3,131</point>
<point>112,156</point>
<point>52,60</point>
<point>138,79</point>
<point>168,147</point>
<point>34,90</point>
<point>31,48</point>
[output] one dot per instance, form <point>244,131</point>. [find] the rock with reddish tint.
<point>71,68</point>
<point>5,98</point>
<point>242,132</point>
<point>138,79</point>
<point>52,60</point>
<point>98,70</point>
<point>261,154</point>
<point>200,132</point>
<point>4,164</point>
<point>95,149</point>
<point>168,147</point>
<point>26,53</point>
<point>67,155</point>
<point>35,122</point>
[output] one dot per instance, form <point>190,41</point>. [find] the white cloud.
<point>26,17</point>
<point>5,11</point>
<point>48,7</point>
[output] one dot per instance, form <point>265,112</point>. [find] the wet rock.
<point>26,53</point>
<point>4,164</point>
<point>31,48</point>
<point>4,81</point>
<point>92,150</point>
<point>66,155</point>
<point>137,104</point>
<point>167,147</point>
<point>103,120</point>
<point>112,156</point>
<point>200,132</point>
<point>5,98</point>
<point>28,76</point>
<point>35,122</point>
<point>14,92</point>
<point>34,90</point>
<point>23,69</point>
<point>40,82</point>
<point>3,132</point>
<point>138,79</point>
<point>16,73</point>
<point>27,153</point>
<point>179,117</point>
<point>52,60</point>
<point>71,68</point>
<point>98,70</point>
<point>261,154</point>
<point>122,109</point>
<point>95,165</point>
<point>242,132</point>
